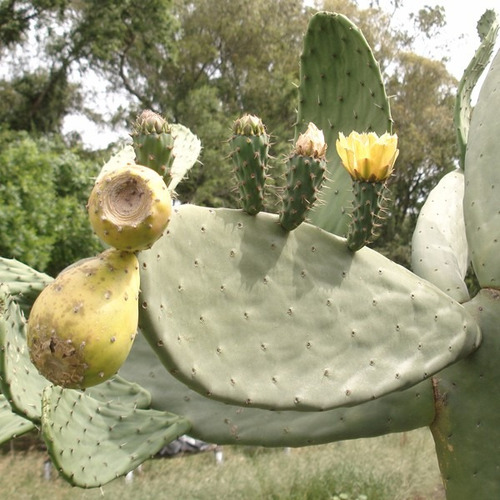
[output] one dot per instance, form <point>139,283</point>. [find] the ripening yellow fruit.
<point>130,207</point>
<point>83,324</point>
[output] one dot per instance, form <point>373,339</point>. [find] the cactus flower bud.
<point>368,157</point>
<point>248,125</point>
<point>311,143</point>
<point>149,122</point>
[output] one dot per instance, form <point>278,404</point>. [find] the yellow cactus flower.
<point>311,143</point>
<point>368,157</point>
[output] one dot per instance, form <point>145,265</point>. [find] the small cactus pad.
<point>119,390</point>
<point>468,411</point>
<point>487,30</point>
<point>340,90</point>
<point>92,442</point>
<point>129,207</point>
<point>482,181</point>
<point>216,422</point>
<point>187,148</point>
<point>11,424</point>
<point>20,381</point>
<point>439,247</point>
<point>82,325</point>
<point>236,308</point>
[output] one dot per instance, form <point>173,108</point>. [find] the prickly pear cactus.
<point>255,331</point>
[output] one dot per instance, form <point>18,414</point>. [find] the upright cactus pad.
<point>440,252</point>
<point>23,282</point>
<point>215,283</point>
<point>340,90</point>
<point>487,29</point>
<point>482,181</point>
<point>467,411</point>
<point>250,149</point>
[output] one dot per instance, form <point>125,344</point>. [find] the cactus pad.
<point>244,312</point>
<point>439,247</point>
<point>340,90</point>
<point>11,424</point>
<point>487,29</point>
<point>482,180</point>
<point>24,282</point>
<point>92,442</point>
<point>20,381</point>
<point>216,422</point>
<point>467,411</point>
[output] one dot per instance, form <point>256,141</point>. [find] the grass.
<point>393,467</point>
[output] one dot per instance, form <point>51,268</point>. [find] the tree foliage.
<point>43,192</point>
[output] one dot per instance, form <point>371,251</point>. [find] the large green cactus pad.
<point>468,411</point>
<point>92,442</point>
<point>216,422</point>
<point>440,252</point>
<point>482,181</point>
<point>246,313</point>
<point>340,90</point>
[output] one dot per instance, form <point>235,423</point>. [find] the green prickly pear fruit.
<point>129,207</point>
<point>83,324</point>
<point>153,142</point>
<point>250,144</point>
<point>306,172</point>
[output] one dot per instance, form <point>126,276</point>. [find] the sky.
<point>458,40</point>
<point>457,43</point>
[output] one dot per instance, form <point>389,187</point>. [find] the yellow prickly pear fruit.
<point>129,207</point>
<point>83,324</point>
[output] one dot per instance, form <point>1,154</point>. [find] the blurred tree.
<point>46,42</point>
<point>43,191</point>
